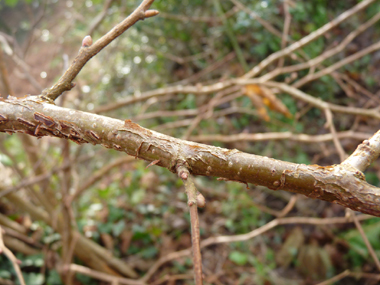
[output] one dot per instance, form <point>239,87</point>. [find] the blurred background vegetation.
<point>140,214</point>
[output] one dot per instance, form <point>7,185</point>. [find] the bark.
<point>343,184</point>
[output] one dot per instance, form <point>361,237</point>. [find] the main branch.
<point>343,184</point>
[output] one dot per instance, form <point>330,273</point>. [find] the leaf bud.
<point>87,41</point>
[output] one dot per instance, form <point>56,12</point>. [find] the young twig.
<point>192,201</point>
<point>88,50</point>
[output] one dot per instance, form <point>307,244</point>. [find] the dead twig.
<point>311,37</point>
<point>365,239</point>
<point>75,268</point>
<point>328,70</point>
<point>244,237</point>
<point>12,258</point>
<point>330,125</point>
<point>279,136</point>
<point>327,54</point>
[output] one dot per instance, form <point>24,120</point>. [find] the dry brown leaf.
<point>126,238</point>
<point>273,103</point>
<point>290,247</point>
<point>107,241</point>
<point>262,96</point>
<point>252,91</point>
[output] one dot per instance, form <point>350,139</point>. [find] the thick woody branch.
<point>89,50</point>
<point>343,184</point>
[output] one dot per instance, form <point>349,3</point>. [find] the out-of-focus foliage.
<point>140,214</point>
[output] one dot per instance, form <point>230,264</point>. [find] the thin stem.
<point>11,258</point>
<point>191,192</point>
<point>365,239</point>
<point>89,50</point>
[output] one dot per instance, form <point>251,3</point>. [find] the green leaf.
<point>4,159</point>
<point>33,278</point>
<point>53,278</point>
<point>118,228</point>
<point>149,252</point>
<point>5,274</point>
<point>238,257</point>
<point>11,3</point>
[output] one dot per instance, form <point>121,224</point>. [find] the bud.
<point>184,175</point>
<point>151,13</point>
<point>201,201</point>
<point>87,41</point>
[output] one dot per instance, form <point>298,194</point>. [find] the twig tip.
<point>151,13</point>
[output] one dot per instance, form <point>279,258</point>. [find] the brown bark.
<point>342,184</point>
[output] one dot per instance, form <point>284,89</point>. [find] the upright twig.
<point>88,50</point>
<point>193,199</point>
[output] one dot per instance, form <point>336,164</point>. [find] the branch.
<point>102,276</point>
<point>309,38</point>
<point>192,202</point>
<point>88,50</point>
<point>244,237</point>
<point>316,102</point>
<point>327,54</point>
<point>343,184</point>
<point>12,258</point>
<point>278,136</point>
